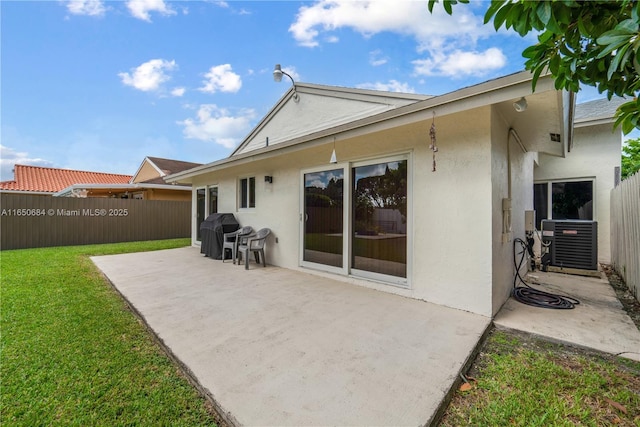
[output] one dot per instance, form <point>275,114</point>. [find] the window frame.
<point>549,197</point>
<point>247,201</point>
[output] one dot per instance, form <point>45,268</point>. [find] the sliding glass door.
<point>366,202</point>
<point>379,226</point>
<point>323,217</point>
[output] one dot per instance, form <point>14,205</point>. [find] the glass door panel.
<point>213,200</point>
<point>379,229</point>
<point>200,210</point>
<point>323,217</point>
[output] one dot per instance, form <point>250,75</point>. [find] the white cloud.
<point>140,8</point>
<point>9,157</point>
<point>86,7</point>
<point>218,125</point>
<point>178,91</point>
<point>148,76</point>
<point>461,64</point>
<point>371,17</point>
<point>377,58</point>
<point>391,86</point>
<point>221,78</point>
<point>432,32</point>
<point>220,3</point>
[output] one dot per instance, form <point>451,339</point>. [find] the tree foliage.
<point>594,43</point>
<point>630,158</point>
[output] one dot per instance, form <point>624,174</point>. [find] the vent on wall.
<point>572,243</point>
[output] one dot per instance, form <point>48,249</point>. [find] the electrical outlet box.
<point>529,221</point>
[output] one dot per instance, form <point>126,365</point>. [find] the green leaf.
<point>532,51</point>
<point>501,16</point>
<point>582,28</point>
<point>619,58</point>
<point>613,37</point>
<point>447,6</point>
<point>494,7</point>
<point>543,11</point>
<point>536,75</point>
<point>628,26</point>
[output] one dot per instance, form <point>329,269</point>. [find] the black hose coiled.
<point>535,297</point>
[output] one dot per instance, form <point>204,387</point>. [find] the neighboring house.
<point>147,183</point>
<point>390,213</point>
<point>579,186</point>
<point>49,181</point>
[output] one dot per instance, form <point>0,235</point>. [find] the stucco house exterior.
<point>591,168</point>
<point>398,211</point>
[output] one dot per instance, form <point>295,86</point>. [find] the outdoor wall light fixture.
<point>277,76</point>
<point>333,159</point>
<point>520,105</point>
<point>268,179</point>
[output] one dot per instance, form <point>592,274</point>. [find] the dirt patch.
<point>628,301</point>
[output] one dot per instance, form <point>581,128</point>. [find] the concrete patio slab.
<point>599,322</point>
<point>280,347</point>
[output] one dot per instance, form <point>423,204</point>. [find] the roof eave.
<point>70,188</point>
<point>41,193</point>
<point>459,100</point>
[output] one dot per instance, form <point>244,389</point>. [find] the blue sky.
<point>98,85</point>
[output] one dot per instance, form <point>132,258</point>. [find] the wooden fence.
<point>625,231</point>
<point>29,221</point>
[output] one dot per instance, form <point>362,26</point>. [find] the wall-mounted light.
<point>333,159</point>
<point>277,76</point>
<point>268,179</point>
<point>520,105</point>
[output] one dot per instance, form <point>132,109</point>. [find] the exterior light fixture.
<point>520,105</point>
<point>277,76</point>
<point>333,159</point>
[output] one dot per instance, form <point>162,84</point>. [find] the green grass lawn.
<point>71,353</point>
<point>524,381</point>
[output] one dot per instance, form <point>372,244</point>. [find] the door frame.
<point>347,241</point>
<point>344,270</point>
<point>194,208</point>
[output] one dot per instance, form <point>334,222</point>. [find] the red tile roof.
<point>52,180</point>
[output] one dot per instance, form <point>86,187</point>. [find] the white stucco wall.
<point>450,220</point>
<point>522,164</point>
<point>595,154</point>
<point>453,215</point>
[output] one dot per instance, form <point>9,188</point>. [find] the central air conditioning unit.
<point>571,243</point>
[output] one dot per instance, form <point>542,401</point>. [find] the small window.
<point>572,200</point>
<point>247,193</point>
<point>563,200</point>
